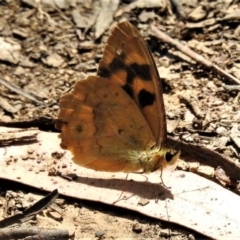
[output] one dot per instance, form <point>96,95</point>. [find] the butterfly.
<point>116,121</point>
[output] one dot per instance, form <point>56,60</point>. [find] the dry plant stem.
<point>192,104</point>
<point>197,57</point>
<point>232,87</point>
<point>18,140</point>
<point>33,210</point>
<point>54,5</point>
<point>192,152</point>
<point>235,140</point>
<point>19,91</point>
<point>179,8</point>
<point>41,204</point>
<point>40,123</point>
<point>33,233</point>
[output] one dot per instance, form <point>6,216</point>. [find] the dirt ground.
<point>49,48</point>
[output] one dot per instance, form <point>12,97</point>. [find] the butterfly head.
<point>171,156</point>
<point>161,158</point>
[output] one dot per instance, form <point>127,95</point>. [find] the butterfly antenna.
<point>178,141</point>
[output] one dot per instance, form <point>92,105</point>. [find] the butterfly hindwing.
<point>128,62</point>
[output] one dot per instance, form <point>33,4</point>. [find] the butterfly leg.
<point>120,197</point>
<point>161,177</point>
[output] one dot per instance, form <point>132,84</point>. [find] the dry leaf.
<point>105,17</point>
<point>192,201</point>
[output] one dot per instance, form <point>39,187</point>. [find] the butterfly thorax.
<point>158,158</point>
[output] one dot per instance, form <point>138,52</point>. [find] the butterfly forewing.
<point>128,62</point>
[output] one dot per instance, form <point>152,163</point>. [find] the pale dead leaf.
<point>160,4</point>
<point>105,17</point>
<point>197,14</point>
<point>10,50</point>
<point>86,19</point>
<point>4,104</point>
<point>192,201</point>
<point>233,15</point>
<point>53,60</point>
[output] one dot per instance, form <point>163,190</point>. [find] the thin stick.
<point>34,233</point>
<point>19,91</point>
<point>33,210</point>
<point>232,87</point>
<point>197,57</point>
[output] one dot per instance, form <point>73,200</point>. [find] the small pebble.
<point>137,228</point>
<point>99,233</point>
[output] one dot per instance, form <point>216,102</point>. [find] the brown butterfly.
<point>116,121</point>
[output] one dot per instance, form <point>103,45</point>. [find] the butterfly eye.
<point>169,156</point>
<point>172,156</point>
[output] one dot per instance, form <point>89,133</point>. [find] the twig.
<point>16,89</point>
<point>232,87</point>
<point>41,204</point>
<point>34,233</point>
<point>33,210</point>
<point>197,57</point>
<point>18,138</point>
<point>42,123</point>
<point>193,104</point>
<point>54,5</point>
<point>179,8</point>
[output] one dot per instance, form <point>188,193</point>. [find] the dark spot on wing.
<point>130,75</point>
<point>128,89</point>
<point>120,131</point>
<point>104,72</point>
<point>146,98</point>
<point>136,70</point>
<point>141,70</point>
<point>117,64</point>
